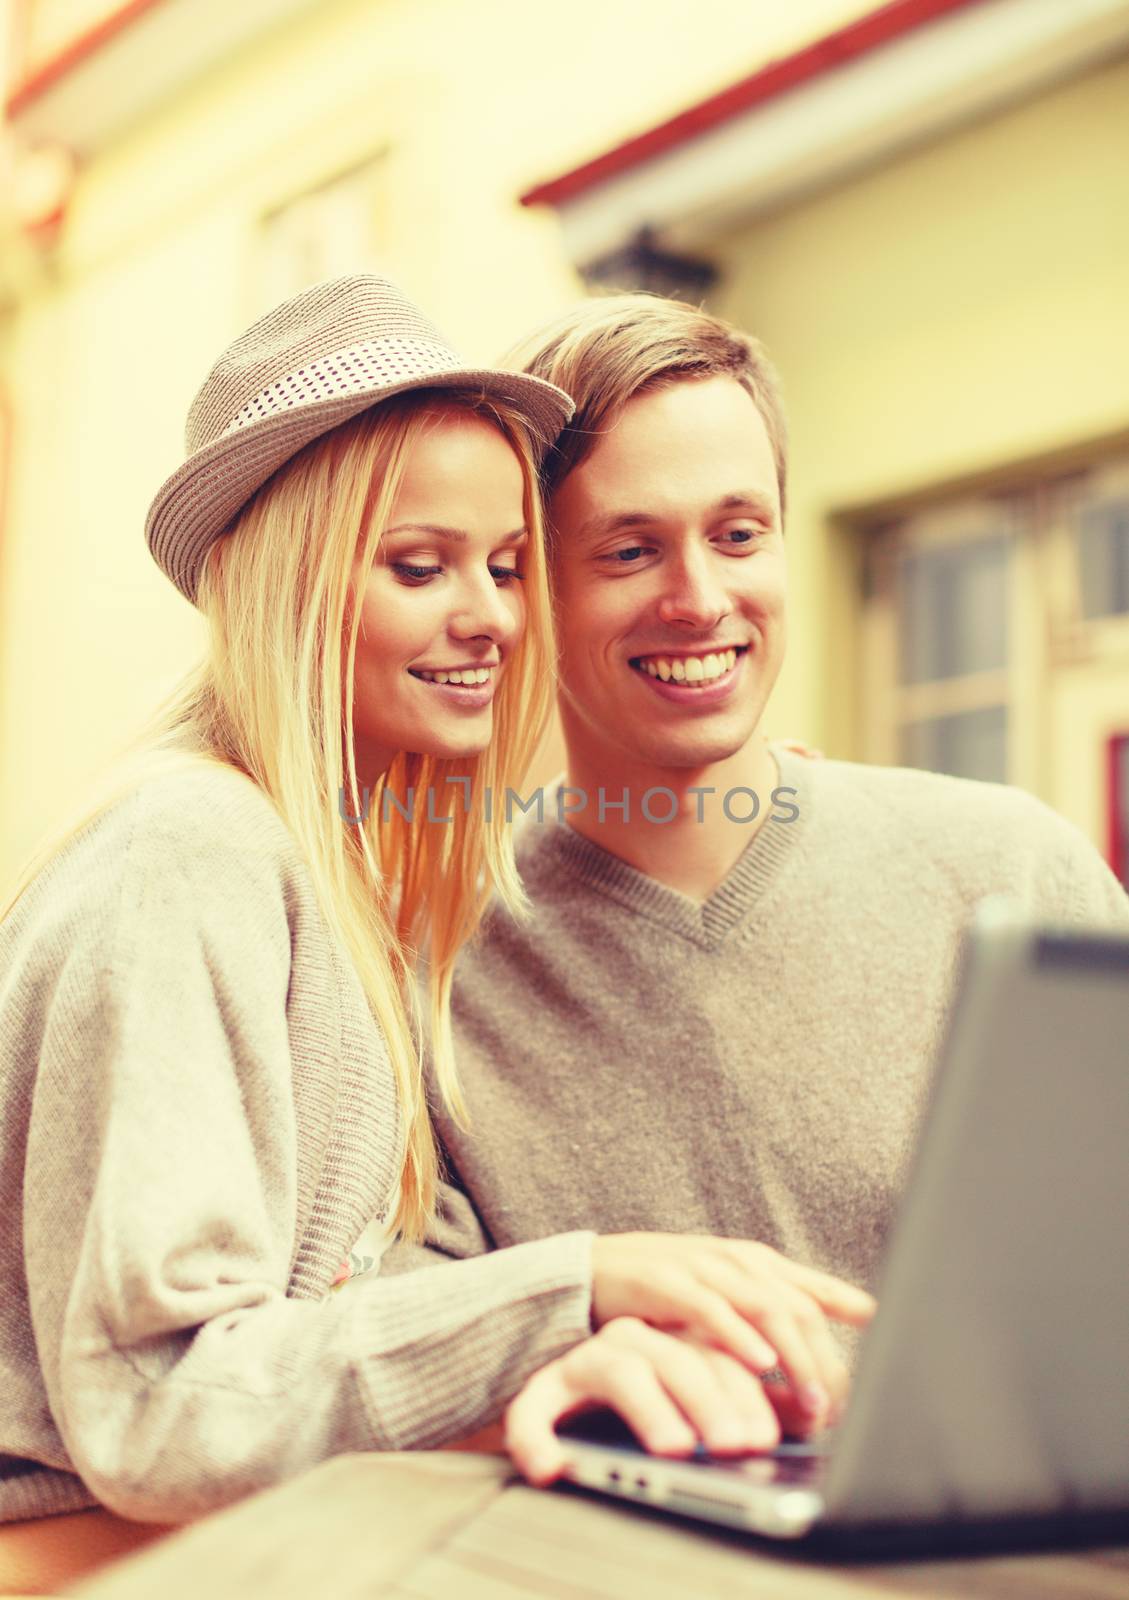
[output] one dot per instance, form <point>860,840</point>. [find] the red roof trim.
<point>1115,806</point>
<point>857,39</point>
<point>69,57</point>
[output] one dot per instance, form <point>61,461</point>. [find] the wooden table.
<point>439,1526</point>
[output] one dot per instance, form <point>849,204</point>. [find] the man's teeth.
<point>689,669</point>
<point>469,675</point>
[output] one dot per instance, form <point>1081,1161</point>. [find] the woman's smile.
<point>443,607</point>
<point>468,688</point>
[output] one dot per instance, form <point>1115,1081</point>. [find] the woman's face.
<point>441,607</point>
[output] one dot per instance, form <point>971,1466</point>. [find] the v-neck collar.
<point>707,922</point>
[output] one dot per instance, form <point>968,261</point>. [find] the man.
<point>722,1015</point>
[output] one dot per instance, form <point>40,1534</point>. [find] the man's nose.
<point>693,593</point>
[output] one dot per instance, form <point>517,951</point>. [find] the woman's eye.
<point>412,574</point>
<point>625,556</point>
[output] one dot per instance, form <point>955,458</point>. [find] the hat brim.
<point>195,505</point>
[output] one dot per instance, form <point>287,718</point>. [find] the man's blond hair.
<point>606,351</point>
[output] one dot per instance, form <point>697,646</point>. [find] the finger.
<point>683,1299</point>
<point>528,1431</point>
<point>832,1367</point>
<point>841,1300</point>
<point>814,1330</point>
<point>797,1360</point>
<point>721,1399</point>
<point>771,1306</point>
<point>794,1419</point>
<point>632,1383</point>
<point>748,1399</point>
<point>718,1319</point>
<point>592,1374</point>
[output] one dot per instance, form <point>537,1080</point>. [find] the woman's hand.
<point>740,1297</point>
<point>671,1390</point>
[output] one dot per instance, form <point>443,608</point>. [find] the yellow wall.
<point>962,307</point>
<point>158,270</point>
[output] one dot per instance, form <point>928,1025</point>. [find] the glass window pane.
<point>953,610</point>
<point>1103,554</point>
<point>971,744</point>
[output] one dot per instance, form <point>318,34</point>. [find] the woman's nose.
<point>485,610</point>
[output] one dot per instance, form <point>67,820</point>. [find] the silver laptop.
<point>990,1408</point>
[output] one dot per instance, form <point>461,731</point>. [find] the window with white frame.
<point>1100,531</point>
<point>975,601</point>
<point>941,604</point>
<point>953,656</point>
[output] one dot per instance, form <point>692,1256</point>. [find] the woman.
<point>210,1047</point>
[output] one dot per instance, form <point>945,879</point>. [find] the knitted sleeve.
<point>159,1223</point>
<point>1075,884</point>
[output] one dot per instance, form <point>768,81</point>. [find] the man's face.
<point>670,558</point>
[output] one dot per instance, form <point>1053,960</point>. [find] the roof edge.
<point>856,39</point>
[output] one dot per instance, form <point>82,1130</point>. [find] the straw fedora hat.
<point>313,362</point>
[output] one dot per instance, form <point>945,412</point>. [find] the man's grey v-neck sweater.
<point>754,1066</point>
<point>198,1121</point>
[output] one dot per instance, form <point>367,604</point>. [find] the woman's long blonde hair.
<point>273,698</point>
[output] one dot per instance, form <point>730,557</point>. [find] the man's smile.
<point>685,667</point>
<point>700,679</point>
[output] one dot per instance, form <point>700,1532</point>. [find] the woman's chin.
<point>470,743</point>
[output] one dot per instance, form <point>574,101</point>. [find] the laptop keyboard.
<point>781,1469</point>
<point>796,1463</point>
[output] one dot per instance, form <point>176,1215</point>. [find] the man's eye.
<point>506,575</point>
<point>412,574</point>
<point>743,535</point>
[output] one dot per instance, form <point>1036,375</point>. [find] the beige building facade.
<point>925,218</point>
